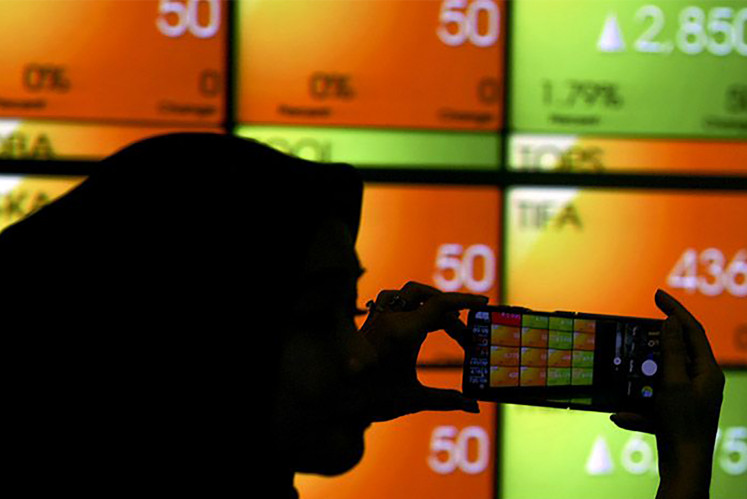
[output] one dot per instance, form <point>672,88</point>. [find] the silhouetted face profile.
<point>321,412</point>
<point>187,307</point>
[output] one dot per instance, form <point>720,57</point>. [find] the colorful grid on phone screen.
<point>539,350</point>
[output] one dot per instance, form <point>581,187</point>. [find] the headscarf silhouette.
<point>142,313</point>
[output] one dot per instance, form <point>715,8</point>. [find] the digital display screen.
<point>552,454</point>
<point>376,63</point>
<point>449,455</point>
<point>595,154</point>
<point>633,67</point>
<point>459,253</point>
<point>476,89</point>
<point>146,60</point>
<point>609,251</point>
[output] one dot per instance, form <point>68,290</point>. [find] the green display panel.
<point>384,148</point>
<point>660,67</point>
<point>559,454</point>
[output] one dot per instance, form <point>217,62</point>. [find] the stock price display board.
<point>376,66</point>
<point>149,60</point>
<point>661,67</point>
<point>602,251</point>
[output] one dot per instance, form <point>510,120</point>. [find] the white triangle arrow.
<point>611,39</point>
<point>600,459</point>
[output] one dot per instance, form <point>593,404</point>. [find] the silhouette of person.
<point>183,322</point>
<point>189,309</point>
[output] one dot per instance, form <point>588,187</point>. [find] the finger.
<point>673,353</point>
<point>409,297</point>
<point>633,422</point>
<point>383,299</point>
<point>438,399</point>
<point>456,329</point>
<point>385,296</point>
<point>418,293</point>
<point>694,334</point>
<point>415,293</point>
<point>670,306</point>
<point>438,311</point>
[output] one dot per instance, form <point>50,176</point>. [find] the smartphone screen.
<point>562,359</point>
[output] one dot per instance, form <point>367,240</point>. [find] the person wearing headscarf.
<point>183,322</point>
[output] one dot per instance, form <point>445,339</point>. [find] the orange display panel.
<point>439,455</point>
<point>152,60</point>
<point>31,139</point>
<point>602,251</point>
<point>590,154</point>
<point>384,63</point>
<point>445,237</point>
<point>22,195</point>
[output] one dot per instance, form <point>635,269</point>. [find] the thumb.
<point>633,422</point>
<point>438,399</point>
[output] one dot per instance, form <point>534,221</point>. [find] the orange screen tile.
<point>441,455</point>
<point>584,341</point>
<point>590,154</point>
<point>559,358</point>
<point>383,63</point>
<point>534,337</point>
<point>533,376</point>
<point>445,237</point>
<point>504,376</point>
<point>504,356</point>
<point>114,59</point>
<point>534,357</point>
<point>600,251</point>
<point>505,335</point>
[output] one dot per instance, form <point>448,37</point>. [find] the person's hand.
<point>397,324</point>
<point>686,406</point>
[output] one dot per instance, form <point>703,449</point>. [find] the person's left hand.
<point>397,324</point>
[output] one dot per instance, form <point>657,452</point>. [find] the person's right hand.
<point>396,327</point>
<point>686,407</point>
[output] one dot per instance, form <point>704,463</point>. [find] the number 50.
<point>450,450</point>
<point>187,17</point>
<point>466,22</point>
<point>455,267</point>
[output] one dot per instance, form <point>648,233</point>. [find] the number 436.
<point>709,273</point>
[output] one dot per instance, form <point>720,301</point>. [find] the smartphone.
<point>561,359</point>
